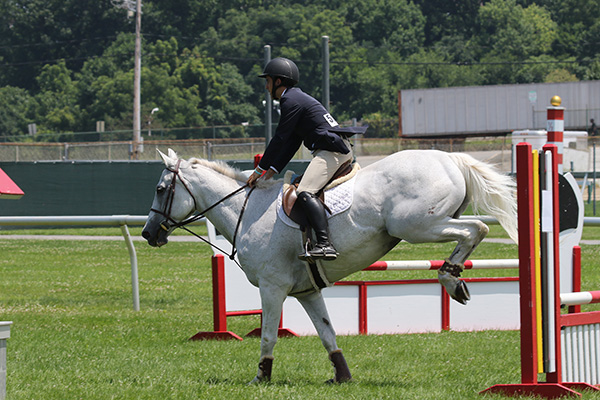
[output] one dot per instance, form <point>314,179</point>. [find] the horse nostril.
<point>146,235</point>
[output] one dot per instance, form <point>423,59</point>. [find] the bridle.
<point>170,223</point>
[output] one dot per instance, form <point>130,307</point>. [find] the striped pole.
<point>574,299</point>
<point>437,264</point>
<point>555,127</point>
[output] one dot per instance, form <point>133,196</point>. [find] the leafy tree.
<point>34,32</point>
<point>507,29</point>
<point>449,18</point>
<point>392,24</point>
<point>510,36</point>
<point>15,111</point>
<point>66,64</point>
<point>579,26</point>
<point>56,105</point>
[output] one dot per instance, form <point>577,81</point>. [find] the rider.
<point>303,119</point>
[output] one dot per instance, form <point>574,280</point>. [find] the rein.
<point>171,223</point>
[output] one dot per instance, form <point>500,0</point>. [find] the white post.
<point>135,286</point>
<point>4,334</point>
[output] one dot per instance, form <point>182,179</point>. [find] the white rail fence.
<point>123,221</point>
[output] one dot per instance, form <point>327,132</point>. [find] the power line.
<point>314,62</point>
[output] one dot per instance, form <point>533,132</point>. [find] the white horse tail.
<point>489,191</point>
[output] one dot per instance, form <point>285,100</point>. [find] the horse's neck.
<point>213,188</point>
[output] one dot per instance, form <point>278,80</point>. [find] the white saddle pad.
<point>338,199</point>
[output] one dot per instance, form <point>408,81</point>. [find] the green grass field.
<point>75,335</point>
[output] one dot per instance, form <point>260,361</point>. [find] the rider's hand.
<point>252,178</point>
<point>257,174</point>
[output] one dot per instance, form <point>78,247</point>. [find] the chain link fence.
<point>225,149</point>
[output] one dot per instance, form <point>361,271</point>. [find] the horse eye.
<point>160,189</point>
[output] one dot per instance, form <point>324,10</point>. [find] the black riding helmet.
<point>281,68</point>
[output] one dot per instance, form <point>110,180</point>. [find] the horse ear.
<point>169,161</point>
<point>172,154</point>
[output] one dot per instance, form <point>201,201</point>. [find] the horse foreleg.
<point>317,311</point>
<point>272,299</point>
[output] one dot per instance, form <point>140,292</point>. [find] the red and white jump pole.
<point>574,299</point>
<point>555,127</point>
<point>416,265</point>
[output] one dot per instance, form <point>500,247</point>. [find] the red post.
<point>362,309</point>
<point>576,276</point>
<point>220,331</point>
<point>445,310</point>
<point>527,256</point>
<point>218,282</point>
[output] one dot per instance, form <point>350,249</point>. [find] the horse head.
<point>173,201</point>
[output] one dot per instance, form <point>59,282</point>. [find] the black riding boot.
<point>317,218</point>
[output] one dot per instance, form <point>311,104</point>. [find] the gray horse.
<point>413,195</point>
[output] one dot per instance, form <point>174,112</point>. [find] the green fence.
<point>89,188</point>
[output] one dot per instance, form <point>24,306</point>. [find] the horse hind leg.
<point>468,234</point>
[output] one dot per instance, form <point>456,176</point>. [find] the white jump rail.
<point>122,221</point>
<point>579,298</point>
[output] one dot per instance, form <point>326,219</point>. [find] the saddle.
<point>290,196</point>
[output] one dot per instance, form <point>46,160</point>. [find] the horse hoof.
<point>456,288</point>
<point>461,294</point>
<point>342,372</point>
<point>332,381</point>
<point>258,381</point>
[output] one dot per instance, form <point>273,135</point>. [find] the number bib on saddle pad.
<point>338,196</point>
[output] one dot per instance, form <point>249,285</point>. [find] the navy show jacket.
<point>303,119</point>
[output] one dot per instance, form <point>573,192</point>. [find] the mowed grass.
<point>76,336</point>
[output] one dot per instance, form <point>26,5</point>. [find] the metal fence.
<point>224,149</point>
<point>122,151</point>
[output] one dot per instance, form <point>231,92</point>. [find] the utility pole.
<point>137,78</point>
<point>135,6</point>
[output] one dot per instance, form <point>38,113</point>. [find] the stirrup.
<point>322,252</point>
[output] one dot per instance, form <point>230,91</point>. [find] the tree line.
<point>65,64</point>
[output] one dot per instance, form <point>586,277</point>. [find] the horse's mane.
<point>225,169</point>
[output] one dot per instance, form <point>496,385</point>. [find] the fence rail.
<point>226,149</point>
<point>122,221</point>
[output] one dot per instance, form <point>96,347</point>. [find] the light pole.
<point>155,109</point>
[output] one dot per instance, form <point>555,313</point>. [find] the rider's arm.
<point>286,141</point>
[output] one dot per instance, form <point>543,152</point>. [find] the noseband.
<point>170,223</point>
